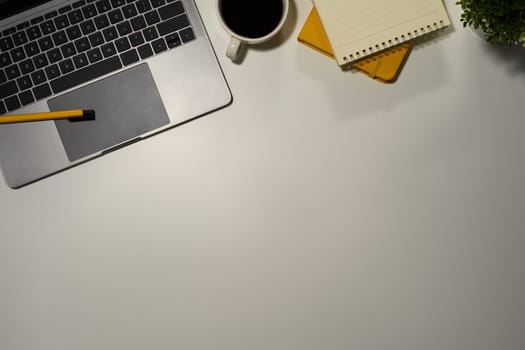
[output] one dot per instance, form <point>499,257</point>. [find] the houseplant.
<point>502,21</point>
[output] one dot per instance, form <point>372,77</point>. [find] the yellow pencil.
<point>35,117</point>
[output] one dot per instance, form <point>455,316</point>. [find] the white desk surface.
<point>321,210</point>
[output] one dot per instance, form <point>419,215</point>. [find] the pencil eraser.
<point>89,114</point>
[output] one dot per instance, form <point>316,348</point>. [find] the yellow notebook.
<point>384,67</point>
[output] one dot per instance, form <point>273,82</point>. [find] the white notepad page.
<point>359,28</point>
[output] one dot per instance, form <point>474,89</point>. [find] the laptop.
<point>143,66</point>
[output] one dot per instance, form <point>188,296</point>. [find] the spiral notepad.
<point>360,28</point>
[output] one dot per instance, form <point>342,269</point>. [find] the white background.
<point>321,210</point>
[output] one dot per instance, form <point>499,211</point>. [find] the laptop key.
<point>59,37</point>
<point>115,16</point>
<point>12,103</point>
<point>187,35</point>
<point>94,55</point>
<point>8,31</point>
<point>75,16</point>
<point>122,44</point>
<point>82,44</point>
<point>6,43</point>
<point>129,11</point>
<point>68,50</point>
<point>40,61</point>
<point>61,22</point>
<point>34,33</point>
<point>12,72</point>
<point>136,39</point>
<point>37,20</point>
<point>20,38</point>
<point>87,27</point>
<point>38,77</point>
<point>22,25</point>
<point>157,3</point>
<point>103,6</point>
<point>110,34</point>
<point>42,91</point>
<point>45,43</point>
<point>145,51</point>
<point>143,6</point>
<point>24,82</point>
<point>96,39</point>
<point>86,74</point>
<point>108,50</point>
<point>152,17</point>
<point>173,40</point>
<point>80,60</point>
<point>66,66</point>
<point>171,10</point>
<point>129,57</point>
<point>52,72</point>
<point>78,4</point>
<point>138,23</point>
<point>150,33</point>
<point>159,45</point>
<point>26,97</point>
<point>8,89</point>
<point>47,27</point>
<point>54,55</point>
<point>73,32</point>
<point>64,9</point>
<point>27,66</point>
<point>51,14</point>
<point>5,60</point>
<point>89,11</point>
<point>18,54</point>
<point>173,24</point>
<point>101,21</point>
<point>31,49</point>
<point>117,3</point>
<point>2,108</point>
<point>124,28</point>
<point>3,78</point>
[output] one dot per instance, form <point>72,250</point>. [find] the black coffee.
<point>252,19</point>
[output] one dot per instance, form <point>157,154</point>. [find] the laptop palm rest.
<point>126,104</point>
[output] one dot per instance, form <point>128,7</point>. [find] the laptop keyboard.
<point>83,41</point>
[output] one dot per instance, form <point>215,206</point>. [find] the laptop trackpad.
<point>126,105</point>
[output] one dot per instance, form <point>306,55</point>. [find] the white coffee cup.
<point>247,23</point>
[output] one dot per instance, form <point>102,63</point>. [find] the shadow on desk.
<point>513,56</point>
<point>426,70</point>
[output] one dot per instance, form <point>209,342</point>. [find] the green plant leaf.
<point>503,21</point>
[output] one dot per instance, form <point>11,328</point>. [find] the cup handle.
<point>234,47</point>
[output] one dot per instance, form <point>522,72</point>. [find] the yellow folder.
<point>384,67</point>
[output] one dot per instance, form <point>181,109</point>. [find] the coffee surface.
<point>252,19</point>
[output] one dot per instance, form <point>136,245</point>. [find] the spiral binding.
<point>403,38</point>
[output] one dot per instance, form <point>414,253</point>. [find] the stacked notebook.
<point>373,37</point>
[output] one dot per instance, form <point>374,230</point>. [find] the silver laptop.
<point>143,66</point>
